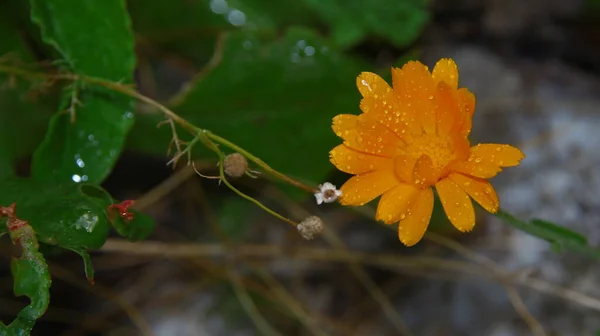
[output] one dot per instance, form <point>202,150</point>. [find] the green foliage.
<point>274,74</point>
<point>31,278</point>
<point>137,229</point>
<point>18,101</point>
<point>72,216</point>
<point>85,138</point>
<point>561,238</point>
<point>276,96</point>
<point>399,22</point>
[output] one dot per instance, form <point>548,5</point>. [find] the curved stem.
<point>259,162</point>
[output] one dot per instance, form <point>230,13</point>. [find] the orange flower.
<point>411,138</point>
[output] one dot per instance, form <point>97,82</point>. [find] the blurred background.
<point>269,76</point>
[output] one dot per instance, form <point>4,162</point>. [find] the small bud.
<point>235,165</point>
<point>327,193</point>
<point>310,227</point>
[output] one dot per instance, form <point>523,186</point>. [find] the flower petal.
<point>404,166</point>
<point>394,202</point>
<point>457,205</point>
<point>351,161</point>
<point>482,169</point>
<point>466,100</point>
<point>361,189</point>
<point>344,124</point>
<point>414,89</point>
<point>479,189</point>
<point>412,228</point>
<point>387,111</point>
<point>497,154</point>
<point>372,85</point>
<point>364,134</point>
<point>446,70</point>
<point>447,110</point>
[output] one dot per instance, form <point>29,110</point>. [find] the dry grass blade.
<point>391,261</point>
<point>291,303</point>
<point>105,293</point>
<point>334,240</point>
<point>513,294</point>
<point>242,294</point>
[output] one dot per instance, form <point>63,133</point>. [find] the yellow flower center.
<point>432,155</point>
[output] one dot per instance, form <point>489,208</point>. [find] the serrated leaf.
<point>31,278</point>
<point>275,98</point>
<point>94,39</point>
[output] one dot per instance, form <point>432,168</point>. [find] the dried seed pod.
<point>310,227</point>
<point>235,165</point>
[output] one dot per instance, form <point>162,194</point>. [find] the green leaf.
<point>399,22</point>
<point>31,278</point>
<point>275,98</point>
<point>72,216</point>
<point>188,29</point>
<point>61,214</point>
<point>560,233</point>
<point>560,237</point>
<point>84,144</point>
<point>19,108</point>
<point>137,229</point>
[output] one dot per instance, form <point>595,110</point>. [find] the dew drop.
<point>498,149</point>
<point>478,160</point>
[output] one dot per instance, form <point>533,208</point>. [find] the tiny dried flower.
<point>235,165</point>
<point>327,193</point>
<point>414,137</point>
<point>310,227</point>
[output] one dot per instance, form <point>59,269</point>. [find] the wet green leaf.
<point>561,238</point>
<point>61,214</point>
<point>31,279</point>
<point>399,22</point>
<point>83,144</point>
<point>72,216</point>
<point>275,98</point>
